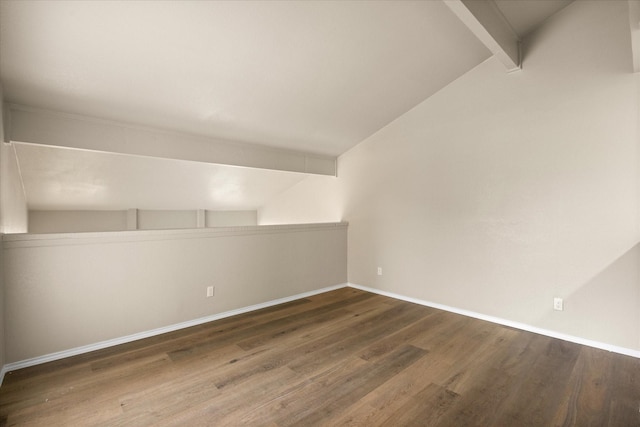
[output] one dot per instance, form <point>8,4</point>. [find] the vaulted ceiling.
<point>314,77</point>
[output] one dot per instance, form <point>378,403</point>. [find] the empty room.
<point>320,213</point>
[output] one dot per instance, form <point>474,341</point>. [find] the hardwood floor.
<point>345,357</point>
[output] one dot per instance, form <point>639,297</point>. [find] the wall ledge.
<point>12,241</point>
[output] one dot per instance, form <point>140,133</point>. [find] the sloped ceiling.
<point>92,180</point>
<point>311,76</point>
<point>524,16</point>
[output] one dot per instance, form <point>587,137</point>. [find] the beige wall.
<point>76,221</point>
<point>503,191</point>
<point>231,218</point>
<point>166,219</point>
<point>315,199</point>
<point>2,315</point>
<point>63,291</point>
<point>2,345</point>
<point>13,210</point>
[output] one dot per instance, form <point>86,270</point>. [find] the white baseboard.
<point>3,371</point>
<point>505,322</point>
<point>129,338</point>
<point>146,334</point>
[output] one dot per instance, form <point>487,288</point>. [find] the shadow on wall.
<point>609,304</point>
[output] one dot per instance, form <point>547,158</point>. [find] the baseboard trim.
<point>505,322</point>
<point>129,338</point>
<point>3,371</point>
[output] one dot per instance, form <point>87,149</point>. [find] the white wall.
<point>64,291</point>
<point>503,190</point>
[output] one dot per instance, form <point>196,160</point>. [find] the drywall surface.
<point>315,199</point>
<point>64,291</point>
<point>2,358</point>
<point>2,313</point>
<point>13,202</point>
<point>231,218</point>
<point>503,191</point>
<point>166,219</point>
<point>76,221</point>
<point>13,209</point>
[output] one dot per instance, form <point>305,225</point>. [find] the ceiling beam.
<point>44,127</point>
<point>634,23</point>
<point>486,22</point>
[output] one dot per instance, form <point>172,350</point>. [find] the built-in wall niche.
<point>76,221</point>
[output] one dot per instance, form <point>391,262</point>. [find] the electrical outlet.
<point>379,271</point>
<point>558,304</point>
<point>210,291</point>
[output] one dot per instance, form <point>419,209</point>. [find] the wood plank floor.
<point>345,357</point>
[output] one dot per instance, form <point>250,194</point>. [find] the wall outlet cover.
<point>558,304</point>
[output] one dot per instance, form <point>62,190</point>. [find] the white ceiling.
<point>524,16</point>
<point>313,76</point>
<point>310,76</point>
